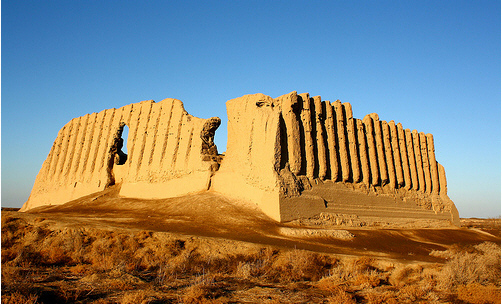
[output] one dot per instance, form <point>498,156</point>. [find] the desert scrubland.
<point>85,253</point>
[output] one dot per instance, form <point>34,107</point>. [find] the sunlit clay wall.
<point>294,156</point>
<point>165,145</point>
<point>292,153</point>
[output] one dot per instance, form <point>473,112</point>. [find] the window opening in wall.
<point>125,135</point>
<point>121,148</point>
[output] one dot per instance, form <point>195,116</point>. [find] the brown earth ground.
<point>217,250</point>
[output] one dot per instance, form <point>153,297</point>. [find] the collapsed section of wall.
<point>170,153</point>
<point>289,151</point>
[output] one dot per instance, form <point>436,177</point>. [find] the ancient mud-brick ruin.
<point>294,156</point>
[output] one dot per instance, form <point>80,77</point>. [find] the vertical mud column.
<point>162,135</point>
<point>418,160</point>
<point>181,140</point>
<point>397,156</point>
<point>372,154</point>
<point>106,145</point>
<point>172,142</point>
<point>152,128</point>
<point>60,153</point>
<point>321,147</point>
<point>382,166</point>
<point>289,104</point>
<point>95,139</point>
<point>333,147</point>
<point>67,147</point>
<point>306,118</point>
<point>425,162</point>
<point>351,136</point>
<point>139,138</point>
<point>79,147</point>
<point>410,146</point>
<point>86,149</point>
<point>73,150</point>
<point>443,188</point>
<point>363,153</point>
<point>342,143</point>
<point>433,164</point>
<point>56,151</point>
<point>133,131</point>
<point>388,154</point>
<point>100,176</point>
<point>404,157</point>
<point>185,144</point>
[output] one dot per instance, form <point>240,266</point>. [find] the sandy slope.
<point>211,216</point>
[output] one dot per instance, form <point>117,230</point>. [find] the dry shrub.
<point>368,279</point>
<point>13,229</point>
<point>411,294</point>
<point>359,272</point>
<point>134,297</point>
<point>329,283</point>
<point>79,269</point>
<point>481,265</point>
<point>340,296</point>
<point>72,293</point>
<point>155,253</point>
<point>201,291</point>
<point>405,275</point>
<point>243,270</point>
<point>10,275</point>
<point>19,298</point>
<point>262,262</point>
<point>55,256</point>
<point>300,265</point>
<point>100,301</point>
<point>363,264</point>
<point>476,293</point>
<point>26,256</point>
<point>386,297</point>
<point>111,250</point>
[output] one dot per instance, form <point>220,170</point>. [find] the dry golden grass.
<point>476,293</point>
<point>42,263</point>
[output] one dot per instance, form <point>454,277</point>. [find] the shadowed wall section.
<point>297,156</point>
<point>170,153</point>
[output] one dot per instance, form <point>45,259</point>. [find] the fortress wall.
<point>279,153</point>
<point>166,151</point>
<point>254,158</point>
<point>323,141</point>
<point>279,150</point>
<point>83,158</point>
<point>332,145</point>
<point>368,152</point>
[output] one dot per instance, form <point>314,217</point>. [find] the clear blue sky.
<point>434,66</point>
